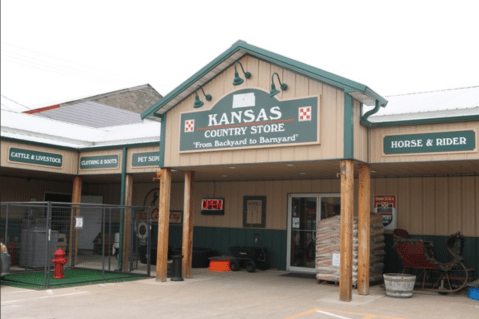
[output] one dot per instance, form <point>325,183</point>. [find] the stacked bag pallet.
<point>328,235</point>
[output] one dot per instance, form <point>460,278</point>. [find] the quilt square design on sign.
<point>304,113</point>
<point>189,125</point>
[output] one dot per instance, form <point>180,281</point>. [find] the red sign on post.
<point>385,205</point>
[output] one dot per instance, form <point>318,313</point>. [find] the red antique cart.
<point>434,275</point>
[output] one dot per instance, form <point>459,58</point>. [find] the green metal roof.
<point>359,91</point>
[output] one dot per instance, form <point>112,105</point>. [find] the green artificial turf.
<point>73,277</point>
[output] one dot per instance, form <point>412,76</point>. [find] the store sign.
<point>78,222</point>
<point>336,260</point>
<point>145,159</point>
<point>385,205</point>
<point>34,157</point>
<point>95,162</point>
<point>212,206</point>
<point>430,142</point>
<point>250,118</point>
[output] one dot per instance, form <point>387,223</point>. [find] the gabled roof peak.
<point>241,48</point>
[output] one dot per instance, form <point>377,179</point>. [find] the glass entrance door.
<point>305,211</point>
<point>303,215</point>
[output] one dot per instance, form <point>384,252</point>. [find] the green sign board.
<point>95,162</point>
<point>146,159</point>
<point>250,118</point>
<point>457,141</point>
<point>34,157</point>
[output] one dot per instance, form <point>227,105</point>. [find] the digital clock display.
<point>212,206</point>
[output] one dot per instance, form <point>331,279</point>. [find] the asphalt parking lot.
<point>265,294</point>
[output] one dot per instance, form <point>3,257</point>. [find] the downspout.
<point>364,118</point>
<point>122,211</point>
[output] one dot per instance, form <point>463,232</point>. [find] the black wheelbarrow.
<point>248,257</point>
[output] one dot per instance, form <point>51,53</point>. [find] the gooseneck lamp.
<point>198,102</point>
<point>273,87</point>
<point>238,80</point>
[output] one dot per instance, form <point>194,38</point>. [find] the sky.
<point>56,51</point>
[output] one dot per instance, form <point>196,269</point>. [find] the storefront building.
<point>256,149</point>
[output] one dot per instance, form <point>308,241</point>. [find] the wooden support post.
<point>75,211</point>
<point>127,218</point>
<point>187,249</point>
<point>364,226</point>
<point>163,225</point>
<point>346,240</point>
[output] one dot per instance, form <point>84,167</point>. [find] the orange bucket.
<point>220,265</point>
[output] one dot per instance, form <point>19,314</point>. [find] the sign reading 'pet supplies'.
<point>250,118</point>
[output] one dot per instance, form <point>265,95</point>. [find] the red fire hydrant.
<point>59,261</point>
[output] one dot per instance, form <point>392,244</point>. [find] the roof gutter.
<point>438,120</point>
<point>364,118</point>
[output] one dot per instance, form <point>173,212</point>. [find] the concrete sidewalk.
<point>240,294</point>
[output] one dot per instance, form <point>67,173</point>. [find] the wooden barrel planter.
<point>399,285</point>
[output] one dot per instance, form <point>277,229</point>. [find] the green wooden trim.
<point>221,239</point>
<point>69,148</point>
<point>110,147</point>
<point>348,127</point>
<point>161,163</point>
<point>439,120</point>
<point>122,211</point>
<point>290,64</point>
<point>17,140</point>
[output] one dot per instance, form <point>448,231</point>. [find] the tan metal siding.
<point>18,189</point>
<point>110,192</point>
<point>434,205</point>
<point>69,158</point>
<point>276,193</point>
<point>331,113</point>
<point>360,135</point>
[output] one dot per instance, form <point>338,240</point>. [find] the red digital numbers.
<point>212,204</point>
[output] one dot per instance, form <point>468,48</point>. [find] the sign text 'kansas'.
<point>250,118</point>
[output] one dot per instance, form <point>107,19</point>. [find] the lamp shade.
<point>198,102</point>
<point>237,80</point>
<point>273,91</point>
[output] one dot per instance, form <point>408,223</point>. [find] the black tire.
<point>262,265</point>
<point>234,265</point>
<point>250,266</point>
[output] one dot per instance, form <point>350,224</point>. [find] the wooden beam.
<point>346,240</point>
<point>127,222</point>
<point>163,225</point>
<point>75,211</point>
<point>187,249</point>
<point>364,226</point>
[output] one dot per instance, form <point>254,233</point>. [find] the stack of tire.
<point>328,235</point>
